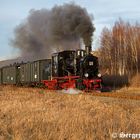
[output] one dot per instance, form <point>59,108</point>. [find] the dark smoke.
<point>47,31</point>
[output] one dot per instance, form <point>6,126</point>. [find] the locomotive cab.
<point>63,63</point>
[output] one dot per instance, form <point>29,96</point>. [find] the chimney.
<point>88,49</point>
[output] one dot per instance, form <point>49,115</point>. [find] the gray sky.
<point>105,13</point>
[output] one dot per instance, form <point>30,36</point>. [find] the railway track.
<point>116,95</point>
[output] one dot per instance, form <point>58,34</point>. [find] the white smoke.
<point>71,91</point>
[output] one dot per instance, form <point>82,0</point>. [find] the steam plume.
<point>47,31</point>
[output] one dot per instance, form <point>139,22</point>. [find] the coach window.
<point>78,53</point>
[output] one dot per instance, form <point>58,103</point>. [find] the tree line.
<point>119,51</point>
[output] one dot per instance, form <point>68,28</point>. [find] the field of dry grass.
<point>39,114</point>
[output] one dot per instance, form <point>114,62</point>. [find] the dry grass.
<point>135,81</point>
<point>38,114</point>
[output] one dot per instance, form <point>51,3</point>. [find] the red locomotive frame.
<point>70,82</point>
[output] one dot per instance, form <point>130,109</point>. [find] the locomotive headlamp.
<point>99,74</point>
<point>86,75</point>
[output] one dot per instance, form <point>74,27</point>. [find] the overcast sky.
<point>105,13</point>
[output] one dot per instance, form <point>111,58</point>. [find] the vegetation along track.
<point>127,94</point>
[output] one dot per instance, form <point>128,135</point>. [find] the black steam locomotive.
<point>66,69</point>
<point>74,69</point>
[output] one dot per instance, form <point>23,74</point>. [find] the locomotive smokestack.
<point>88,49</point>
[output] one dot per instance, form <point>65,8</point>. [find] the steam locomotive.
<point>66,69</point>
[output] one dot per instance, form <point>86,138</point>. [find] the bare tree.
<point>120,48</point>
